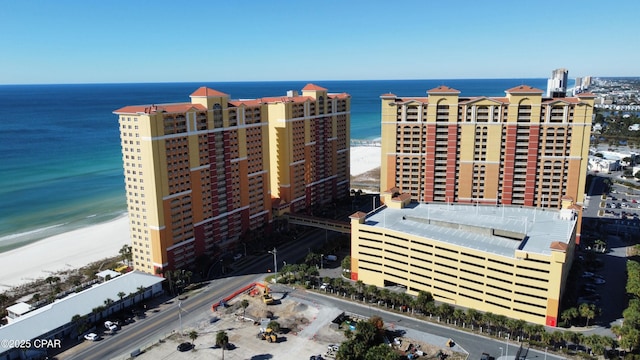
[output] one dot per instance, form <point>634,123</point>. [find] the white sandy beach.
<point>81,247</point>
<point>364,158</point>
<point>66,251</point>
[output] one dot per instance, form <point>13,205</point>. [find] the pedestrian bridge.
<point>320,223</point>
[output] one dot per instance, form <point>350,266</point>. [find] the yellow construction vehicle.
<point>268,334</point>
<point>266,297</point>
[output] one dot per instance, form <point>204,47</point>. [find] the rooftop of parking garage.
<point>496,229</point>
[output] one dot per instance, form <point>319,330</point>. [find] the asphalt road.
<point>157,325</point>
<point>165,319</point>
<point>474,344</point>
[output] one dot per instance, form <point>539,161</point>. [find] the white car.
<point>91,337</point>
<point>110,326</point>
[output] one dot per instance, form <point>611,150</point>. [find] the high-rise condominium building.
<point>557,83</point>
<point>520,149</point>
<point>200,174</point>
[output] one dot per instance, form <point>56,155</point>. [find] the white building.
<point>53,321</point>
<point>557,84</point>
<point>602,165</point>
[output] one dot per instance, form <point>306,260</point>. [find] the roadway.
<point>164,319</point>
<point>169,317</point>
<point>473,343</point>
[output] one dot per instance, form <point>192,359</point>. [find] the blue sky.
<point>120,41</point>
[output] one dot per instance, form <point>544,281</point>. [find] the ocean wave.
<point>30,233</point>
<point>366,142</point>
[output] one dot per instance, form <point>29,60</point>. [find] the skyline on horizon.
<point>123,42</point>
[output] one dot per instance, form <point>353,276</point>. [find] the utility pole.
<point>275,260</point>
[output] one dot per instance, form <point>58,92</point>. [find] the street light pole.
<point>545,353</point>
<point>275,260</point>
<point>501,351</point>
<point>180,315</point>
<point>506,352</point>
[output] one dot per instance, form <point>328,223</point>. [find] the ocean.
<point>61,162</point>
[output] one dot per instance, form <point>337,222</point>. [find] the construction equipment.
<point>266,297</point>
<point>268,334</point>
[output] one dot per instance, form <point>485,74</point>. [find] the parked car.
<point>237,257</point>
<point>110,325</point>
<point>92,337</point>
<point>325,286</point>
<point>185,346</point>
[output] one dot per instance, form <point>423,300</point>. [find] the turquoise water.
<point>60,161</point>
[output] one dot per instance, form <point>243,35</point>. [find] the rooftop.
<point>52,316</point>
<point>498,230</point>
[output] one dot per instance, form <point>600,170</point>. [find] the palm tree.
<point>458,315</point>
<point>222,340</point>
<point>107,303</point>
<point>587,311</point>
<point>141,290</point>
<point>121,295</point>
<point>471,316</point>
<point>360,286</point>
<point>125,253</point>
<point>193,335</point>
<point>373,291</point>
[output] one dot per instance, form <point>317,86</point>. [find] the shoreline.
<point>79,247</point>
<point>66,251</point>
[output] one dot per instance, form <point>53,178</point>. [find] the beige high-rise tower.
<point>520,149</point>
<point>199,175</point>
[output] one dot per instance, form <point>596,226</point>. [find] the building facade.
<point>557,83</point>
<point>508,260</point>
<point>521,149</point>
<point>200,174</point>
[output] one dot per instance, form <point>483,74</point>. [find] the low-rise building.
<point>55,320</point>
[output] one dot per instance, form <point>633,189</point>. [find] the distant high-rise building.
<point>557,84</point>
<point>521,149</point>
<point>199,175</point>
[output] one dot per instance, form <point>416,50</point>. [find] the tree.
<point>346,262</point>
<point>193,335</point>
<point>424,299</point>
<point>472,316</point>
<point>121,295</point>
<point>125,253</point>
<point>107,305</point>
<point>245,304</point>
<point>587,311</point>
<point>222,340</point>
<point>445,310</point>
<point>274,325</point>
<point>360,286</point>
<point>366,332</point>
<point>381,352</point>
<point>568,315</point>
<point>378,323</point>
<point>312,259</point>
<point>141,290</point>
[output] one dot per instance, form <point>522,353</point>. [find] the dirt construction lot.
<point>305,324</point>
